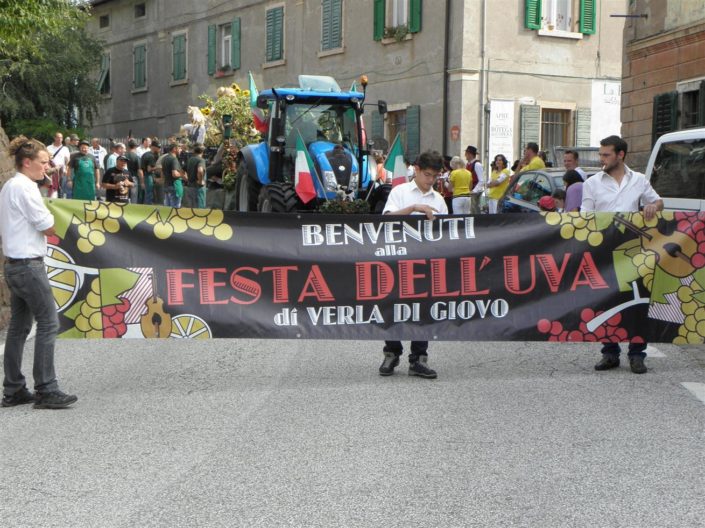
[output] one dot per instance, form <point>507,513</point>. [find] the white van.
<point>676,169</point>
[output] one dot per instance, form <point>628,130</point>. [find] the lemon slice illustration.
<point>188,326</point>
<point>63,281</point>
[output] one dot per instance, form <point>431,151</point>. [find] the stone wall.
<point>6,172</point>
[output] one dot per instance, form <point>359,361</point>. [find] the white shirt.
<point>602,193</point>
<point>582,173</point>
<point>480,173</point>
<point>62,158</point>
<point>98,154</point>
<point>23,218</point>
<point>408,194</point>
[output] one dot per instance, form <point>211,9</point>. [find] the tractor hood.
<point>335,164</point>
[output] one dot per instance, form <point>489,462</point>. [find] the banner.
<point>145,271</point>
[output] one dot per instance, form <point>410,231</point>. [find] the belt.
<point>9,260</point>
<point>461,195</point>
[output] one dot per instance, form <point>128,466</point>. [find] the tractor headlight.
<point>354,179</point>
<point>330,182</point>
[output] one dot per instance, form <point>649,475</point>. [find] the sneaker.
<point>419,368</point>
<point>607,362</point>
<point>21,397</point>
<point>636,363</point>
<point>391,361</point>
<point>54,400</point>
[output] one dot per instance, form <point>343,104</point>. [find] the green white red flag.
<point>303,171</point>
<point>258,117</point>
<point>395,163</point>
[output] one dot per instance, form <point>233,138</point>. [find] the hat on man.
<point>548,203</point>
<point>472,150</point>
<point>122,158</point>
<point>73,137</point>
<point>84,142</point>
<point>155,143</point>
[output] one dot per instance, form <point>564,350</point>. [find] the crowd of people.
<point>142,172</point>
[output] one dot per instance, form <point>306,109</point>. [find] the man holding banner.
<point>413,198</point>
<point>619,189</point>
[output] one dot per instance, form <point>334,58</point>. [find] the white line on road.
<point>696,389</point>
<point>654,352</point>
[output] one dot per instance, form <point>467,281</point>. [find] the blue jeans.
<point>418,348</point>
<point>30,296</point>
<point>635,349</point>
<point>170,198</point>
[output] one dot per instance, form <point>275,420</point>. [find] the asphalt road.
<point>306,433</point>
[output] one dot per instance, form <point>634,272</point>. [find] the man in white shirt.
<point>478,178</point>
<point>143,147</point>
<point>25,222</point>
<point>414,198</point>
<point>98,152</point>
<point>571,161</point>
<point>617,188</point>
<point>59,159</point>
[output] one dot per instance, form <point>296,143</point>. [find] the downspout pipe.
<point>446,77</point>
<point>484,135</point>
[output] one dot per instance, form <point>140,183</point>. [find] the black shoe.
<point>54,400</point>
<point>607,362</point>
<point>391,361</point>
<point>419,368</point>
<point>636,363</point>
<point>21,397</point>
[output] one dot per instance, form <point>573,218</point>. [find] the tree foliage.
<point>46,61</point>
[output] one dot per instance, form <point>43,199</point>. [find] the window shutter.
<point>379,15</point>
<point>587,17</point>
<point>665,115</point>
<point>530,125</point>
<point>211,49</point>
<point>326,15</point>
<point>235,44</point>
<point>532,19</point>
<point>336,25</point>
<point>582,127</point>
<point>104,69</point>
<point>415,9</point>
<point>140,54</point>
<point>377,128</point>
<point>701,104</point>
<point>275,29</point>
<point>179,57</point>
<point>413,132</point>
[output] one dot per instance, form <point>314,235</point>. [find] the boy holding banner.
<point>415,197</point>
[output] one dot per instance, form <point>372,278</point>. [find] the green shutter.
<point>413,132</point>
<point>212,32</point>
<point>275,37</point>
<point>530,125</point>
<point>379,16</point>
<point>331,24</point>
<point>701,104</point>
<point>235,44</point>
<point>665,115</point>
<point>587,17</point>
<point>583,120</point>
<point>178,44</point>
<point>377,128</point>
<point>104,69</point>
<point>326,16</point>
<point>415,9</point>
<point>140,70</point>
<point>532,19</point>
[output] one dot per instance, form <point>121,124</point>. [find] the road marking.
<point>696,389</point>
<point>654,352</point>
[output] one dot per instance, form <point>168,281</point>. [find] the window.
<point>397,13</point>
<point>104,21</point>
<point>396,18</point>
<point>331,24</point>
<point>690,108</point>
<point>561,16</point>
<point>140,10</point>
<point>103,84</point>
<point>179,62</point>
<point>139,79</point>
<point>225,45</point>
<point>406,122</point>
<point>274,48</point>
<point>682,108</point>
<point>555,128</point>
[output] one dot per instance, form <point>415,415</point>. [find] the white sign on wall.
<point>501,130</point>
<point>606,104</point>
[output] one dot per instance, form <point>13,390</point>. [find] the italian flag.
<point>303,170</point>
<point>395,163</point>
<point>260,121</point>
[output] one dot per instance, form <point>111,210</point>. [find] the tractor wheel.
<point>278,198</point>
<point>247,190</point>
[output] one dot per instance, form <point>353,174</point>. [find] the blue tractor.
<point>329,122</point>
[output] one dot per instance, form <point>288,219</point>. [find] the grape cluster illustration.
<point>609,331</point>
<point>101,218</point>
<point>90,320</point>
<point>581,226</point>
<point>693,328</point>
<point>693,225</point>
<point>208,222</point>
<point>114,319</point>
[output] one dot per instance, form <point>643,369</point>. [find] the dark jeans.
<point>418,348</point>
<point>635,349</point>
<point>30,296</point>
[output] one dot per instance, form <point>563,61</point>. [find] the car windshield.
<point>333,123</point>
<point>679,168</point>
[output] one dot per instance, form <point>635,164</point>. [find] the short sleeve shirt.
<point>112,176</point>
<point>192,169</point>
<point>169,164</point>
<point>407,194</point>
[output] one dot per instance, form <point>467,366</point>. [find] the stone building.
<point>492,73</point>
<point>663,73</point>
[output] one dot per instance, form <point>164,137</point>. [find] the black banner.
<point>146,271</point>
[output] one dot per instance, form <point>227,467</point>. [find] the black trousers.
<point>418,348</point>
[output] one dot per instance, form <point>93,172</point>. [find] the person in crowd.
<point>559,197</point>
<point>83,175</point>
<point>414,198</point>
<point>74,143</point>
<point>459,185</point>
<point>59,159</point>
<point>547,203</point>
<point>531,159</point>
<point>173,176</point>
<point>498,183</point>
<point>544,157</point>
<point>98,152</point>
<point>381,171</point>
<point>25,222</point>
<point>478,178</point>
<point>441,185</point>
<point>118,181</point>
<point>571,160</point>
<point>117,149</point>
<point>196,172</point>
<point>143,146</point>
<point>148,165</point>
<point>617,188</point>
<point>133,166</point>
<point>573,190</point>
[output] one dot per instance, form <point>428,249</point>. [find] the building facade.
<point>664,72</point>
<point>491,73</point>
